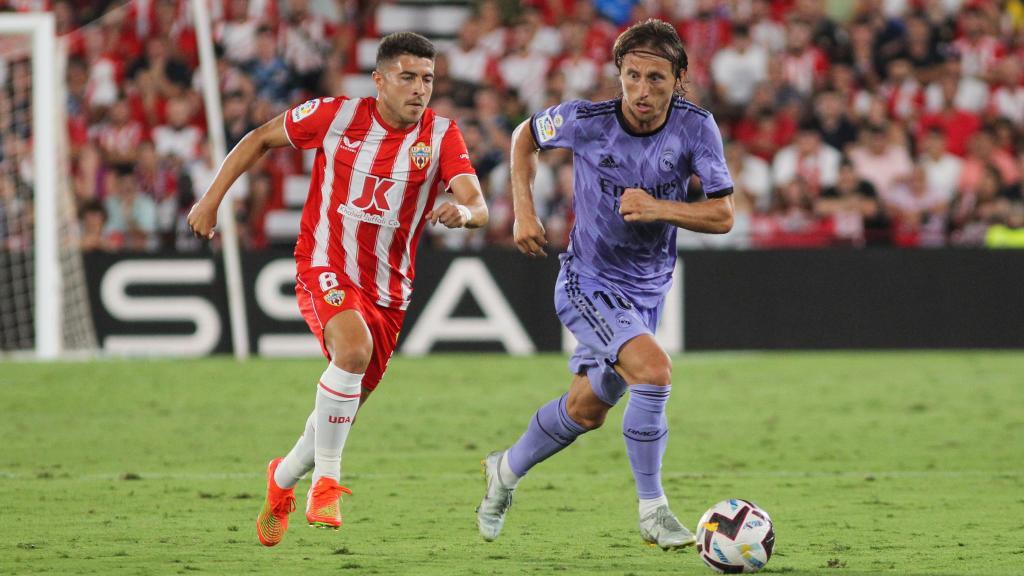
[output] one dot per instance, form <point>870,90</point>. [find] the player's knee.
<point>658,373</point>
<point>589,417</point>
<point>353,358</point>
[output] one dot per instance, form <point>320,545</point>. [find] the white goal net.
<point>44,303</point>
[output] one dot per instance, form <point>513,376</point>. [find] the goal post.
<point>40,28</point>
<point>44,302</point>
<point>225,214</point>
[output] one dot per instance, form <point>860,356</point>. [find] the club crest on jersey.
<point>420,155</point>
<point>668,161</point>
<point>305,109</point>
<point>335,297</point>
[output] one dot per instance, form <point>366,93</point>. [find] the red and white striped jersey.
<point>370,189</point>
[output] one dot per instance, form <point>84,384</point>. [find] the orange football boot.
<point>323,504</point>
<point>272,522</point>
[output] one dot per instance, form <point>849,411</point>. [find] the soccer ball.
<point>735,536</point>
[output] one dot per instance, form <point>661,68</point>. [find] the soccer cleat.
<point>272,522</point>
<point>490,514</point>
<point>662,528</point>
<point>323,503</point>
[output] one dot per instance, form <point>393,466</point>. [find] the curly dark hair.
<point>394,45</point>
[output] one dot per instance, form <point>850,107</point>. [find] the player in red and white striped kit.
<point>380,164</point>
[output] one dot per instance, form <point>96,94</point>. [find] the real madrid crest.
<point>335,297</point>
<point>420,155</point>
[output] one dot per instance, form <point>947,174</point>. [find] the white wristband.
<point>466,214</point>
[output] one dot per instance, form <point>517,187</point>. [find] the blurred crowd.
<point>846,123</point>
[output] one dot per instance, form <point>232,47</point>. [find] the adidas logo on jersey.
<point>608,162</point>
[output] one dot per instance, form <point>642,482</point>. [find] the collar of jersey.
<point>630,131</point>
<point>388,127</point>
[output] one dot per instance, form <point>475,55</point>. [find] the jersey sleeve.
<point>307,124</point>
<point>556,127</point>
<point>454,156</point>
<point>708,161</point>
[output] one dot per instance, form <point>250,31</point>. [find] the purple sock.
<point>550,430</point>
<point>646,430</point>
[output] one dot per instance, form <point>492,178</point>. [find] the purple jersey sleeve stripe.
<point>719,193</point>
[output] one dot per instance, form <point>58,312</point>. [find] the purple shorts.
<point>603,319</point>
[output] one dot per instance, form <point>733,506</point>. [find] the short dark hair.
<point>652,36</point>
<point>394,45</point>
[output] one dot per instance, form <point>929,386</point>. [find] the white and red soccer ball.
<point>735,536</point>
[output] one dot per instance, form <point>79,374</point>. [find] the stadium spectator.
<point>94,222</point>
<point>468,60</point>
<point>579,71</point>
<point>131,215</point>
<point>170,74</point>
<point>177,136</point>
<point>523,70</point>
<point>120,137</point>
<point>832,121</point>
<point>881,161</point>
<point>809,160</point>
<point>238,34</point>
<point>270,74</point>
<point>738,68</point>
<point>941,168</point>
<point>857,214</point>
<point>307,43</point>
<point>918,211</point>
<point>765,31</point>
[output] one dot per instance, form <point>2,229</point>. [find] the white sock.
<point>505,473</point>
<point>648,506</point>
<point>300,460</point>
<point>337,399</point>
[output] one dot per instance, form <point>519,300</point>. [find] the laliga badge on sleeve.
<point>335,297</point>
<point>546,128</point>
<point>305,109</point>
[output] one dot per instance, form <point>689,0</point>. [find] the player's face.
<point>404,87</point>
<point>647,88</point>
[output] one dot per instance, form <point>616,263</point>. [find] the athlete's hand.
<point>202,218</point>
<point>636,205</point>
<point>451,215</point>
<point>529,236</point>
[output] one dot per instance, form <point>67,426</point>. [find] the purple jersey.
<point>607,159</point>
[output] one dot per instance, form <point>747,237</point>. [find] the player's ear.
<point>378,79</point>
<point>681,82</point>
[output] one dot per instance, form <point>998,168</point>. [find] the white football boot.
<point>662,528</point>
<point>490,514</point>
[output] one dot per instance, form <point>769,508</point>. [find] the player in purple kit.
<point>633,158</point>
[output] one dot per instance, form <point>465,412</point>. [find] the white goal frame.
<point>48,297</point>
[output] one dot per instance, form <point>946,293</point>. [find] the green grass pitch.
<point>869,463</point>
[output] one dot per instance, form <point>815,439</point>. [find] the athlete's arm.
<point>713,216</point>
<point>527,231</point>
<point>470,210</point>
<point>203,216</point>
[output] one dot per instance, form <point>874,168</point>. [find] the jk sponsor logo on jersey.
<point>304,110</point>
<point>546,129</point>
<point>335,297</point>
<point>372,205</point>
<point>419,153</point>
